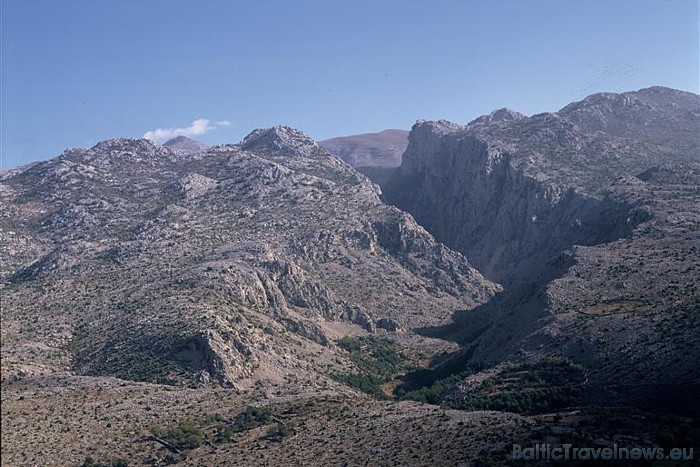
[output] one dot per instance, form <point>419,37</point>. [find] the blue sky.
<point>75,72</point>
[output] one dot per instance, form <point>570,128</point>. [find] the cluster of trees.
<point>541,386</point>
<point>523,401</point>
<point>378,361</point>
<point>548,384</point>
<point>373,355</point>
<point>217,429</point>
<point>183,436</point>
<point>435,392</point>
<point>252,417</point>
<point>370,384</point>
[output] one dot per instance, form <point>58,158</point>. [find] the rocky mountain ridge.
<point>593,234</point>
<point>195,267</point>
<point>505,191</point>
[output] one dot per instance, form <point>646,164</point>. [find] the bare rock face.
<point>510,191</point>
<point>627,308</point>
<point>278,139</point>
<point>589,218</point>
<point>499,115</point>
<point>195,185</point>
<point>473,196</point>
<point>151,265</point>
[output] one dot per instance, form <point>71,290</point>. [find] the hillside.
<point>180,269</point>
<point>511,191</point>
<point>593,229</point>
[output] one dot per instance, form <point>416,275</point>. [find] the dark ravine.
<point>575,239</point>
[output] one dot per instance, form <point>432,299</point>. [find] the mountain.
<point>625,308</point>
<point>188,269</point>
<point>499,115</point>
<point>383,149</point>
<point>511,192</point>
<point>664,117</point>
<point>185,145</point>
<point>375,155</point>
<point>589,217</point>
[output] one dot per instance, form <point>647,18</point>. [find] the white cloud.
<point>198,127</point>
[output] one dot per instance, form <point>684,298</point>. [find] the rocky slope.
<point>226,266</point>
<point>590,218</point>
<point>664,117</point>
<point>510,191</point>
<point>226,305</point>
<point>628,309</point>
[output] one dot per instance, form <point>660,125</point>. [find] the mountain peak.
<point>124,141</point>
<point>382,149</point>
<point>185,145</point>
<point>177,140</point>
<point>656,114</point>
<point>503,114</point>
<point>281,138</point>
<point>653,98</point>
<point>437,127</point>
<point>126,144</point>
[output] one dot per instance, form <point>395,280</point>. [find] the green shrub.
<point>184,436</point>
<point>252,417</point>
<point>377,360</point>
<point>118,462</point>
<point>367,383</point>
<point>434,393</point>
<point>534,387</point>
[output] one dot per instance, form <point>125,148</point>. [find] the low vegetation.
<point>216,429</point>
<point>185,435</point>
<point>435,392</point>
<point>533,387</point>
<point>378,361</point>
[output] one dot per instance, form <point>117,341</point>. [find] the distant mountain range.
<point>185,145</point>
<point>383,149</point>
